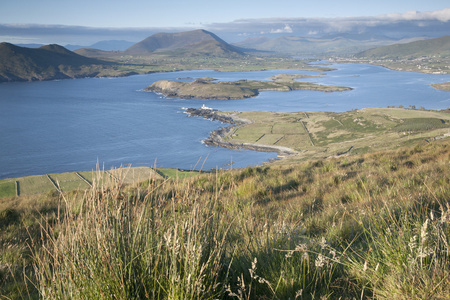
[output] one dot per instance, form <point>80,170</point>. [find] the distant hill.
<point>112,45</point>
<point>44,63</point>
<point>74,47</point>
<point>189,42</point>
<point>30,45</point>
<point>108,45</point>
<point>327,45</point>
<point>437,46</point>
<point>96,53</point>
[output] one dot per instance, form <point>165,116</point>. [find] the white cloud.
<point>442,15</point>
<point>396,25</point>
<point>286,29</point>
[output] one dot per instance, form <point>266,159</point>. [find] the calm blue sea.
<point>71,125</point>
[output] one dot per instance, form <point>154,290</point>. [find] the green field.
<point>324,134</point>
<point>163,62</point>
<point>7,188</point>
<point>34,185</point>
<point>176,173</point>
<point>67,182</point>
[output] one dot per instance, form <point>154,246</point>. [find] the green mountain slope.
<point>45,63</point>
<point>191,42</point>
<point>329,45</point>
<point>438,46</point>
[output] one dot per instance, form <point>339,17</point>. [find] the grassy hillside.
<point>373,226</point>
<point>438,46</point>
<point>430,56</point>
<point>45,63</point>
<point>340,44</point>
<point>48,63</point>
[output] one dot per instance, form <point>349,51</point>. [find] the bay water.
<point>75,125</point>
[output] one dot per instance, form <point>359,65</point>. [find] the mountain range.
<point>56,62</point>
<point>342,44</point>
<point>108,45</point>
<point>437,47</point>
<point>44,63</point>
<point>195,42</point>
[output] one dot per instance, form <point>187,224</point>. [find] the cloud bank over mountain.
<point>442,15</point>
<point>62,34</point>
<point>394,25</point>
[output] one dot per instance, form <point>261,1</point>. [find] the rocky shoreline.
<point>216,137</point>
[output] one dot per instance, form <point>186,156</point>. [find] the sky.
<point>147,16</point>
<point>179,13</point>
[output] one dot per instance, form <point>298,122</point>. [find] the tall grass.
<point>368,227</point>
<point>168,241</point>
<point>127,244</point>
<point>405,254</point>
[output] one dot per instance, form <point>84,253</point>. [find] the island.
<point>207,88</point>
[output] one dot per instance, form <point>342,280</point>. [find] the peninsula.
<point>206,88</point>
<point>445,86</point>
<point>319,135</point>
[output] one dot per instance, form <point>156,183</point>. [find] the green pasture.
<point>332,133</point>
<point>31,185</point>
<point>421,124</point>
<point>251,133</point>
<point>70,181</point>
<point>163,62</point>
<point>270,139</point>
<point>89,175</point>
<point>135,174</point>
<point>7,188</point>
<point>176,173</point>
<point>401,113</point>
<point>288,128</point>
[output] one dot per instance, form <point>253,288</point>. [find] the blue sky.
<point>194,13</point>
<point>84,22</point>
